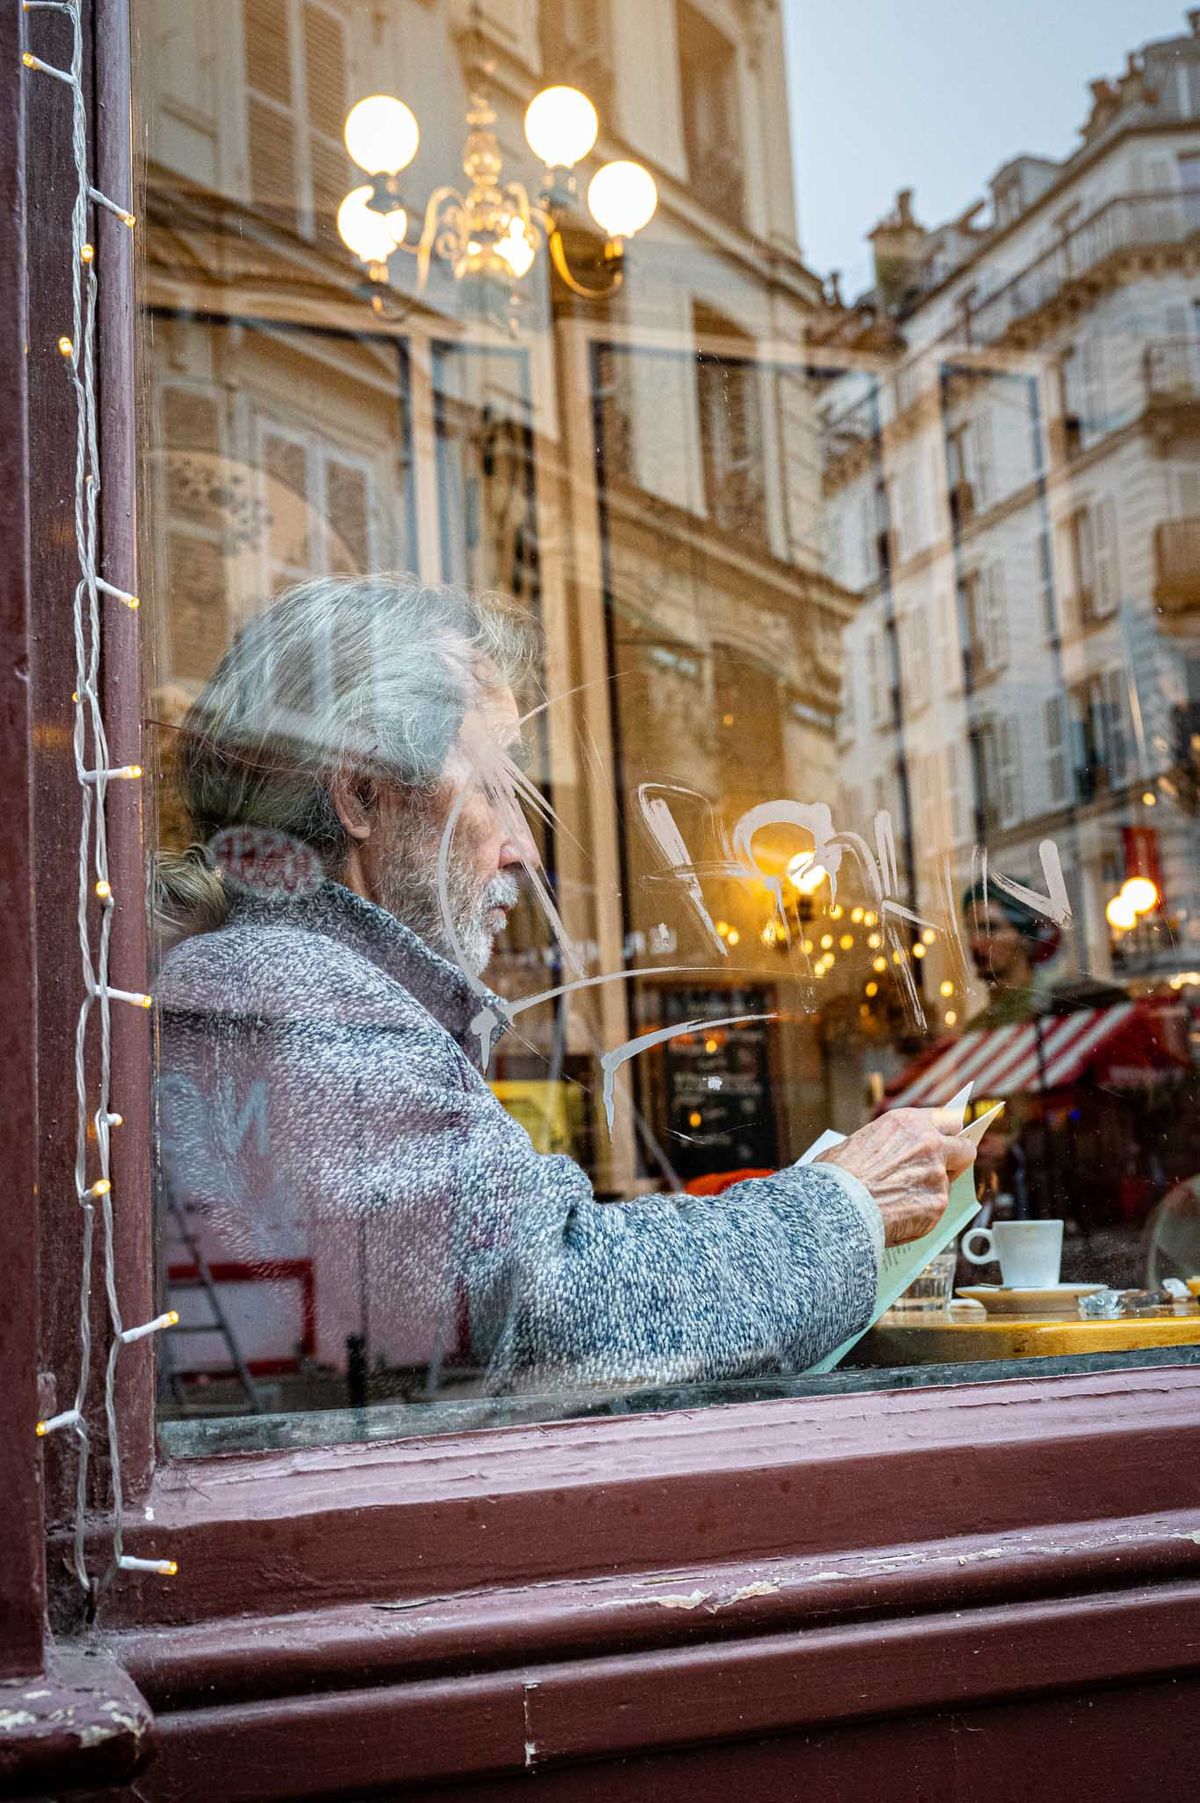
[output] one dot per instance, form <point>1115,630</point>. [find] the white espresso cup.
<point>1030,1252</point>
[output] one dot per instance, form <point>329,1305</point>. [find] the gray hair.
<point>375,671</point>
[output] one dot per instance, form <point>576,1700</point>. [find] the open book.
<point>900,1264</point>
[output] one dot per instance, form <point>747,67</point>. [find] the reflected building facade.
<point>1011,470</point>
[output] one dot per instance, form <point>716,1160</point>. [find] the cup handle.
<point>979,1258</point>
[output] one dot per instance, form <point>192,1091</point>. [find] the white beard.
<point>409,889</point>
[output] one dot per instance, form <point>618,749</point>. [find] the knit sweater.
<point>318,1097</point>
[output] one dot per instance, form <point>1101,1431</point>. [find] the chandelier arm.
<point>558,256</point>
<point>433,224</point>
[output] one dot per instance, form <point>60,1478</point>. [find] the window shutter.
<point>198,614</point>
<point>875,680</point>
<point>348,517</point>
<point>1104,557</point>
<point>285,464</point>
<point>325,95</point>
<point>268,49</point>
<point>995,635</point>
<point>954,756</point>
<point>1045,570</point>
<point>1057,768</point>
<point>1009,754</point>
<point>1116,747</point>
<point>1091,385</point>
<point>983,459</point>
<point>918,655</point>
<point>192,440</point>
<point>270,127</point>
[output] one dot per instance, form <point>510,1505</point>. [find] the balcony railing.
<point>1177,566</point>
<point>1130,222</point>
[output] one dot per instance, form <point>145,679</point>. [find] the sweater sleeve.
<point>560,1289</point>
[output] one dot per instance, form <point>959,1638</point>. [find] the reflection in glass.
<point>926,559</point>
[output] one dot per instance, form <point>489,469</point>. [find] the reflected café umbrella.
<point>1115,1044</point>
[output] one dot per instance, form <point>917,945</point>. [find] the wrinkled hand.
<point>908,1163</point>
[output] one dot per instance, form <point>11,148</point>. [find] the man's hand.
<point>908,1164</point>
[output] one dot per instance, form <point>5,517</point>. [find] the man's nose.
<point>520,848</point>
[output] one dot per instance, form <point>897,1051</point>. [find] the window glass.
<point>621,707</point>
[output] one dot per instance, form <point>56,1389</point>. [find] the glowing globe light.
<point>561,125</point>
<point>805,875</point>
<point>382,134</point>
<point>1121,914</point>
<point>370,235</point>
<point>622,198</point>
<point>514,249</point>
<point>1140,893</point>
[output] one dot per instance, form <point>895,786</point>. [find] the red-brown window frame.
<point>466,1607</point>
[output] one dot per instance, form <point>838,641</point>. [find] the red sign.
<point>1141,854</point>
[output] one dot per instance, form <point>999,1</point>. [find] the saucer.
<point>1046,1299</point>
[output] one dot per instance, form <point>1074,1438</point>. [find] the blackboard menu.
<point>720,1115</point>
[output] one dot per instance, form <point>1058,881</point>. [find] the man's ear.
<point>355,802</point>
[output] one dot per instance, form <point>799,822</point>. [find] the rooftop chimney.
<point>899,245</point>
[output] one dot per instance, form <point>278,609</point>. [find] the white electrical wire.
<point>94,772</point>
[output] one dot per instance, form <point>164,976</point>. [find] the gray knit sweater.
<point>318,1098</point>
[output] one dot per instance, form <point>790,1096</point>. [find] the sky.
<point>935,95</point>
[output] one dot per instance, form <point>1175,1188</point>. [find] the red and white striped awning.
<point>1006,1060</point>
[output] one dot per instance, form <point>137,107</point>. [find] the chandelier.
<point>491,228</point>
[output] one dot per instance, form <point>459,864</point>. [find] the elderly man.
<point>351,767</point>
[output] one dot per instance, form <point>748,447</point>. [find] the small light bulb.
<point>101,1187</point>
<point>514,249</point>
<point>172,1317</point>
<point>29,61</point>
<point>856,915</point>
<point>928,936</point>
<point>918,950</point>
<point>87,253</point>
<point>734,936</point>
<point>879,964</point>
<point>872,989</point>
<point>950,1017</point>
<point>65,347</point>
<point>826,941</point>
<point>116,1120</point>
<point>846,941</point>
<point>946,988</point>
<point>104,890</point>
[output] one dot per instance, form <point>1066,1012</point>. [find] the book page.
<point>900,1264</point>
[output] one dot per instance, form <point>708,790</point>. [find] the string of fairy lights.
<point>96,1119</point>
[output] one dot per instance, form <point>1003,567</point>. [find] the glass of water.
<point>933,1287</point>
